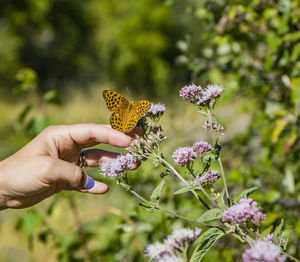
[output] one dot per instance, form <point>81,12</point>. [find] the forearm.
<point>3,196</point>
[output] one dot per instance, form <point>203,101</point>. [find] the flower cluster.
<point>213,125</point>
<point>182,156</point>
<point>142,147</point>
<point>156,109</point>
<point>209,178</point>
<point>242,211</point>
<point>269,237</point>
<point>191,93</point>
<point>117,166</point>
<point>173,244</point>
<point>196,95</point>
<point>264,251</point>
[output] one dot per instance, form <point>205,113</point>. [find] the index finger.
<point>87,135</point>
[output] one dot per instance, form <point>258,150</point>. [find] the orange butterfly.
<point>125,115</point>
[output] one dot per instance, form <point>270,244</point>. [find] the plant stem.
<point>224,180</point>
<point>183,180</point>
<point>166,210</point>
<point>290,257</point>
<point>202,189</point>
<point>219,158</point>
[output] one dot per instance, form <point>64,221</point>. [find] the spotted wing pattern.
<point>125,115</point>
<point>114,100</point>
<point>116,121</point>
<point>139,109</point>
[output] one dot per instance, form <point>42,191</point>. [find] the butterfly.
<point>125,115</point>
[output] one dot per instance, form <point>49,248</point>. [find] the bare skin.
<point>48,164</point>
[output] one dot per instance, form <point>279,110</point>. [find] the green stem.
<point>219,158</point>
<point>290,256</point>
<point>166,210</point>
<point>172,169</point>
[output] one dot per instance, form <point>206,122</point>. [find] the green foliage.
<point>32,125</point>
<point>209,215</point>
<point>154,47</point>
<point>206,241</point>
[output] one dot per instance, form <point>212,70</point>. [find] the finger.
<point>94,157</point>
<point>87,135</point>
<point>98,188</point>
<point>60,171</point>
<point>73,177</point>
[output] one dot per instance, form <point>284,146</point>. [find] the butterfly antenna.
<point>128,92</point>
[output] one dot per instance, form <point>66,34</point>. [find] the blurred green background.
<point>56,58</point>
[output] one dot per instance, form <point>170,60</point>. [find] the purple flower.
<point>173,245</point>
<point>208,125</point>
<point>200,148</point>
<point>117,166</point>
<point>269,237</point>
<point>157,251</point>
<point>184,155</point>
<point>181,237</point>
<point>209,178</point>
<point>242,211</point>
<point>196,95</point>
<point>209,93</point>
<point>156,109</point>
<point>264,251</point>
<point>191,93</point>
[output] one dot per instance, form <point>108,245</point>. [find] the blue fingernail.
<point>90,182</point>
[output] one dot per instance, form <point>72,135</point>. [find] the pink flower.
<point>264,251</point>
<point>184,155</point>
<point>117,166</point>
<point>209,178</point>
<point>242,211</point>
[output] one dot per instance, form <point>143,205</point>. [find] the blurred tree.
<point>52,37</point>
<point>131,43</point>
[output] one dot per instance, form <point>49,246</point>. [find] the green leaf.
<point>185,189</point>
<point>52,96</point>
<point>289,181</point>
<point>155,196</point>
<point>209,215</point>
<point>201,112</point>
<point>278,232</point>
<point>285,237</point>
<point>29,222</point>
<point>266,232</point>
<point>279,126</point>
<point>244,194</point>
<point>272,196</point>
<point>205,242</point>
<point>145,205</point>
<point>237,236</point>
<point>221,201</point>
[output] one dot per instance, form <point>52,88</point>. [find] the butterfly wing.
<point>139,109</point>
<point>116,120</point>
<point>114,100</point>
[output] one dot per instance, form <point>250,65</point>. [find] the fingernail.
<point>90,182</point>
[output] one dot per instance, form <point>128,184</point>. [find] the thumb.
<point>75,178</point>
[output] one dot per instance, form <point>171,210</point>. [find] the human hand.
<point>48,164</point>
